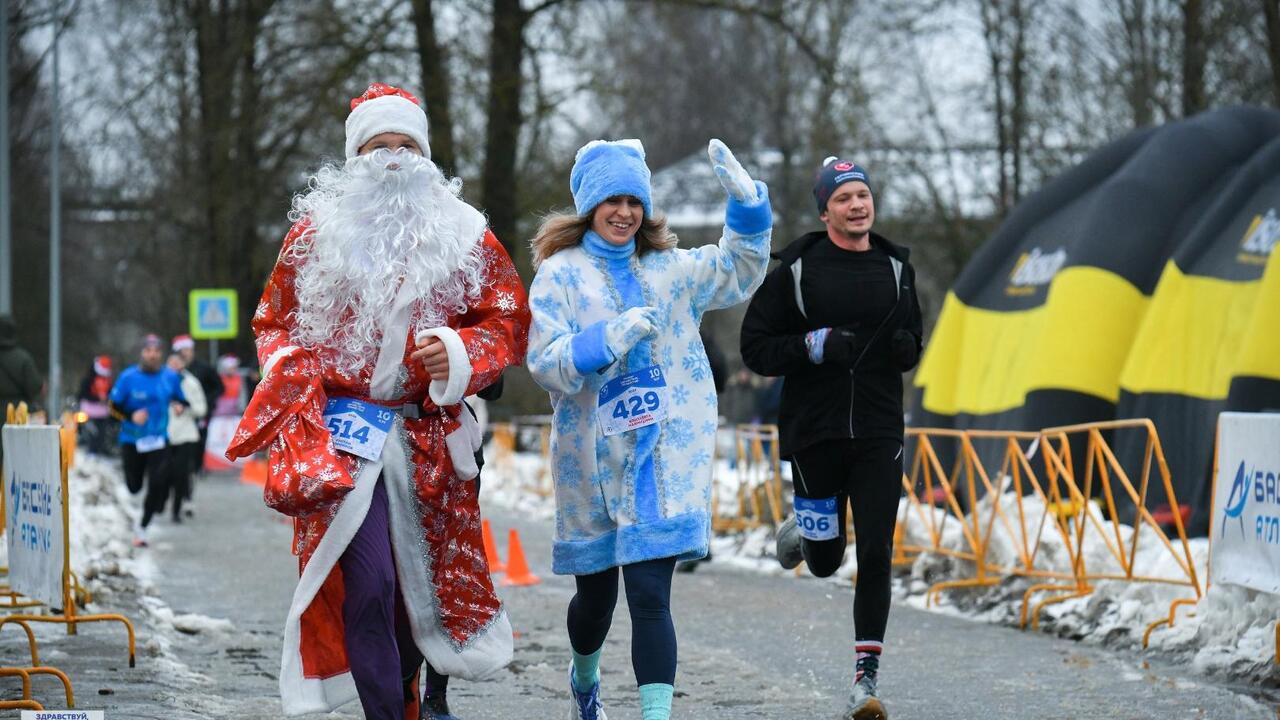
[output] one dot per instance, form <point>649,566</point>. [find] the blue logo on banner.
<point>1236,500</point>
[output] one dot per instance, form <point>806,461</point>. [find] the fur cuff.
<point>750,219</point>
<point>275,357</point>
<point>590,351</point>
<point>449,393</point>
<point>462,444</point>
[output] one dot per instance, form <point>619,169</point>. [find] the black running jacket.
<point>827,401</point>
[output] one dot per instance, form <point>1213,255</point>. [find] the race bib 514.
<point>358,427</point>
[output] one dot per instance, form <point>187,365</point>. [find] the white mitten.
<point>624,331</point>
<point>731,174</point>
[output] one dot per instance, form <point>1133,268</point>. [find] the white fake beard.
<point>373,228</point>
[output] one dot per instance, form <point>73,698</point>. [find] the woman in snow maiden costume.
<point>616,308</point>
<point>390,302</point>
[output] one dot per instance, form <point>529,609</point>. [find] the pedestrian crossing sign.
<point>213,314</point>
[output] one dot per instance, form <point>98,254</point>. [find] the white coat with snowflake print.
<point>642,494</point>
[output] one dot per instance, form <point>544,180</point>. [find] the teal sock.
<point>655,701</point>
<point>586,670</point>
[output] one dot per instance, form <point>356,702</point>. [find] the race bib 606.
<point>817,519</point>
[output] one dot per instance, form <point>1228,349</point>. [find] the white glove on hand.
<point>731,174</point>
<point>624,331</point>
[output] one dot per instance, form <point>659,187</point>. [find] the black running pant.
<point>150,469</point>
<point>653,634</point>
<point>180,473</point>
<point>866,475</point>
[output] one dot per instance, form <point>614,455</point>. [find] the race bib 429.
<point>633,401</point>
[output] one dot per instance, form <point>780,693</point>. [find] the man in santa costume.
<point>389,303</point>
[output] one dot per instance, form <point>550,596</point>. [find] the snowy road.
<point>751,646</point>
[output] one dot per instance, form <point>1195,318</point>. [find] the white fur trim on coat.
<point>483,655</point>
<point>449,393</point>
<point>463,444</point>
<point>275,357</point>
<point>300,694</point>
<point>389,113</point>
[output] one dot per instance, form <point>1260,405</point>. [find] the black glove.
<point>843,347</point>
<point>904,349</point>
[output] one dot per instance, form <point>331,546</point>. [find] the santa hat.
<point>228,364</point>
<point>102,366</point>
<point>382,109</point>
<point>183,342</point>
<point>609,168</point>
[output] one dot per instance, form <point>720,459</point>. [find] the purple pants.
<point>380,647</point>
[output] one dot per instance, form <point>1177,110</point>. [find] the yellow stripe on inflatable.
<point>1193,339</point>
<point>986,361</point>
<point>1260,354</point>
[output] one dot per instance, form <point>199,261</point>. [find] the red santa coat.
<point>427,464</point>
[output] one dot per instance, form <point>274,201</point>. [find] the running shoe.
<point>586,705</point>
<point>863,701</point>
<point>788,548</point>
<point>436,707</point>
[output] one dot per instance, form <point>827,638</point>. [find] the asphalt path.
<point>750,645</point>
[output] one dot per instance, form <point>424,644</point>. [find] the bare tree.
<point>1005,28</point>
<point>220,130</point>
<point>1194,57</point>
<point>1271,11</point>
<point>435,84</point>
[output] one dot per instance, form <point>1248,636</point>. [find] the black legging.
<point>653,634</point>
<point>151,469</point>
<point>867,475</point>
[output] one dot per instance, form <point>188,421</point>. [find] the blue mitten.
<point>599,345</point>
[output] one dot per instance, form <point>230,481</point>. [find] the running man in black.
<point>839,319</point>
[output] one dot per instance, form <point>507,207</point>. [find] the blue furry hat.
<point>604,169</point>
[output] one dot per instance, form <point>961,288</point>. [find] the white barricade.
<point>1246,502</point>
<point>33,503</point>
<point>222,428</point>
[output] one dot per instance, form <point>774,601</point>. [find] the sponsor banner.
<point>1246,502</point>
<point>33,510</point>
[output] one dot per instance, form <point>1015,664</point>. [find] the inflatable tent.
<point>1141,283</point>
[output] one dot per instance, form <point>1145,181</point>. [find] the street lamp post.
<point>6,268</point>
<point>54,405</point>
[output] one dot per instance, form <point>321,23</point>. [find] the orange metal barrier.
<point>969,499</point>
<point>759,482</point>
<point>928,486</point>
<point>1180,602</point>
<point>1102,474</point>
<point>507,437</point>
<point>504,442</point>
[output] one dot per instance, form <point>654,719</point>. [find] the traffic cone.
<point>491,549</point>
<point>254,472</point>
<point>517,569</point>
